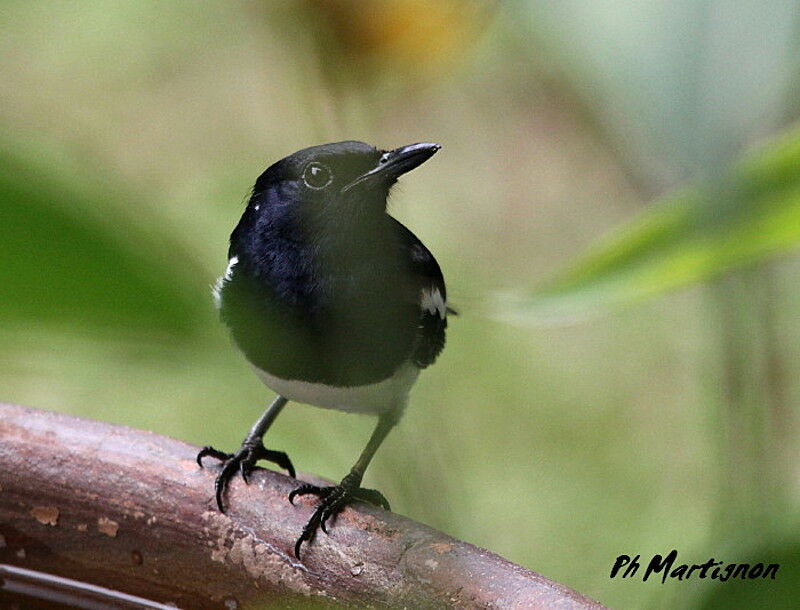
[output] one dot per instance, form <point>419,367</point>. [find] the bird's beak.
<point>397,162</point>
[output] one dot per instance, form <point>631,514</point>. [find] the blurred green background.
<point>631,396</point>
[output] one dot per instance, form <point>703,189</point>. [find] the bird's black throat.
<point>316,296</point>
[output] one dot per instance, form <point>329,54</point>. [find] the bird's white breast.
<point>373,398</point>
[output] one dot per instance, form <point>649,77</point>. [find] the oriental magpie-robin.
<point>334,302</point>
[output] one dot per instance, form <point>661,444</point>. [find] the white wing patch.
<point>430,300</point>
<point>216,290</point>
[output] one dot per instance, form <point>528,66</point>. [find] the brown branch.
<point>131,511</point>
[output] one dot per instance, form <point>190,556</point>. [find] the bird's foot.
<point>244,460</point>
<point>332,500</point>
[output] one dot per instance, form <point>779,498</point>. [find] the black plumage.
<point>310,321</point>
<point>332,300</point>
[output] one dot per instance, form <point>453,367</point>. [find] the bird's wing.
<point>426,291</point>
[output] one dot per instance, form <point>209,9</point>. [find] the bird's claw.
<point>332,499</point>
<point>244,460</point>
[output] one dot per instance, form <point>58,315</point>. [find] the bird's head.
<point>336,183</point>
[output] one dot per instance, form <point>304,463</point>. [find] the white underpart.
<point>374,398</point>
<point>216,290</point>
<point>430,300</point>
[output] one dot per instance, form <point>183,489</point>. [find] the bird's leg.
<point>252,450</point>
<point>334,498</point>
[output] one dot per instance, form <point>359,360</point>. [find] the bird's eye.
<point>317,176</point>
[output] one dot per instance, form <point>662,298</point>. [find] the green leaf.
<point>750,215</point>
<point>78,255</point>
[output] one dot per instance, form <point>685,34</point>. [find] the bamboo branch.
<point>131,511</point>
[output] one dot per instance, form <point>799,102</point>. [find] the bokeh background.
<point>634,397</point>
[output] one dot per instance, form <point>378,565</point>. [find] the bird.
<point>333,302</point>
